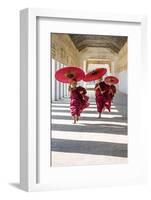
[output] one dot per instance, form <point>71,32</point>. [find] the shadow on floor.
<point>91,128</point>
<point>117,119</point>
<point>89,124</point>
<point>89,147</point>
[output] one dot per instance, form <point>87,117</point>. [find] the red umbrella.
<point>66,74</point>
<point>95,74</point>
<point>111,79</point>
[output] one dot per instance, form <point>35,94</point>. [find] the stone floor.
<point>91,141</point>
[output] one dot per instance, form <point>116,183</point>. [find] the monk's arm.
<point>83,91</point>
<point>96,87</point>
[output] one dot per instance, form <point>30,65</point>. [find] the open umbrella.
<point>95,74</point>
<point>66,74</point>
<point>111,79</point>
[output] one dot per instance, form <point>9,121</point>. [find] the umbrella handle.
<point>69,87</point>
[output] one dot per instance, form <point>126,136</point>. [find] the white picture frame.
<point>30,168</point>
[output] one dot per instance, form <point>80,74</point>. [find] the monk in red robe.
<point>109,94</point>
<point>78,100</point>
<point>100,89</point>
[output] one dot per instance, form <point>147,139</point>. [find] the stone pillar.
<point>112,67</point>
<point>85,71</point>
<point>59,83</point>
<point>65,87</point>
<point>53,81</point>
<point>62,85</point>
<point>65,93</point>
<point>57,90</point>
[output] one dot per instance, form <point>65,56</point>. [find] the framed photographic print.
<point>81,106</point>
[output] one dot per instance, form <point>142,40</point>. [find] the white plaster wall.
<point>122,85</point>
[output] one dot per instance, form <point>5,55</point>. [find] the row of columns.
<point>58,90</point>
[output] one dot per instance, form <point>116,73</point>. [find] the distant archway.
<point>92,64</point>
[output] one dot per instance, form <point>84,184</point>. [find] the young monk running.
<point>100,89</point>
<point>109,94</point>
<point>78,100</point>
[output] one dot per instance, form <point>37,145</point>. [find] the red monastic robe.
<point>99,96</point>
<point>78,100</point>
<point>109,94</point>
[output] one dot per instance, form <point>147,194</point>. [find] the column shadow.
<point>89,147</point>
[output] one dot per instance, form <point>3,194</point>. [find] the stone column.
<point>85,70</point>
<point>62,85</point>
<point>112,68</point>
<point>66,86</point>
<point>65,94</point>
<point>57,83</point>
<point>53,81</point>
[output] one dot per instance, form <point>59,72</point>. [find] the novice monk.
<point>109,95</point>
<point>100,89</point>
<point>78,100</point>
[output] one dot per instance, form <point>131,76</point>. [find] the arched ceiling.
<point>82,41</point>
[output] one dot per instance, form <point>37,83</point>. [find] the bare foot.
<point>103,109</point>
<point>99,115</point>
<point>75,120</point>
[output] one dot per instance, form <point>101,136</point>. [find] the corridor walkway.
<point>91,141</point>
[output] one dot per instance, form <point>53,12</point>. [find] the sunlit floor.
<point>91,141</point>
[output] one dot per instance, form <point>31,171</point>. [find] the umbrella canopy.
<point>95,74</point>
<point>111,80</point>
<point>67,74</point>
